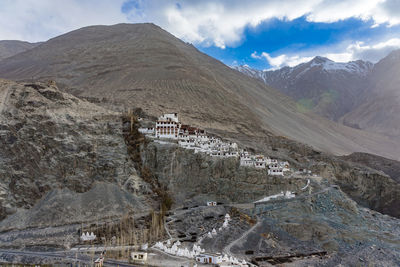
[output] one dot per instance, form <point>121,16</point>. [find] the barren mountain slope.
<point>142,65</point>
<point>10,48</point>
<point>380,108</point>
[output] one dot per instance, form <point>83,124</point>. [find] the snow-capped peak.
<point>360,67</point>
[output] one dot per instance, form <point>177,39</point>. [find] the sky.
<point>264,34</point>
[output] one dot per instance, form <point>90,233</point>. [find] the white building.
<point>149,130</point>
<point>259,161</point>
<point>232,154</point>
<point>211,203</point>
<point>246,160</point>
<point>168,126</point>
<point>139,257</point>
<point>211,258</point>
<point>275,169</point>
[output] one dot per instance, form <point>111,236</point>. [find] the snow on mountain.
<point>330,89</point>
<point>359,67</point>
<point>246,69</point>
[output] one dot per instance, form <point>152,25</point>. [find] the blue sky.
<point>265,34</point>
<point>277,37</point>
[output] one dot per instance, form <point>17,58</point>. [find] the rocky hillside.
<point>388,166</point>
<point>141,65</point>
<point>56,145</point>
<point>225,181</point>
<point>379,109</point>
<point>9,48</point>
<point>323,86</point>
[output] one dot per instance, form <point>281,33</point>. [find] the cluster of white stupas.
<point>234,260</point>
<point>224,225</point>
<point>213,233</point>
<point>176,250</point>
<point>88,237</point>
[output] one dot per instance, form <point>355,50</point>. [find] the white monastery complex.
<point>168,126</point>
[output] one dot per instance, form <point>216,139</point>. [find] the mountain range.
<point>358,94</point>
<point>143,66</point>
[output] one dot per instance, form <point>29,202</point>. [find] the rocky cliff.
<point>50,141</point>
<point>203,178</point>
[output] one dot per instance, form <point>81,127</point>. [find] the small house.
<point>246,160</point>
<point>211,203</point>
<point>275,171</point>
<point>211,258</point>
<point>139,257</point>
<point>259,161</point>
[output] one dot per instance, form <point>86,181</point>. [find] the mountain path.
<point>227,249</point>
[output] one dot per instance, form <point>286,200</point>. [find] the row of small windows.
<point>166,122</point>
<point>167,127</point>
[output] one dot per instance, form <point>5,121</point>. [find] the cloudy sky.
<point>265,34</point>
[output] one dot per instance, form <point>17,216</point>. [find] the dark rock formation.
<point>51,140</point>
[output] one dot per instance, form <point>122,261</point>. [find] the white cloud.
<point>283,60</point>
<point>222,23</point>
<point>358,50</point>
<point>39,20</point>
<point>255,56</point>
<point>339,57</point>
<point>208,22</point>
<point>373,52</point>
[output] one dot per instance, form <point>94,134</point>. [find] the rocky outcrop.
<point>188,175</point>
<point>388,166</point>
<point>368,187</point>
<point>51,140</point>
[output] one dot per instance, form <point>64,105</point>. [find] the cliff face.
<point>367,187</point>
<point>187,175</point>
<point>52,140</point>
<point>388,166</point>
